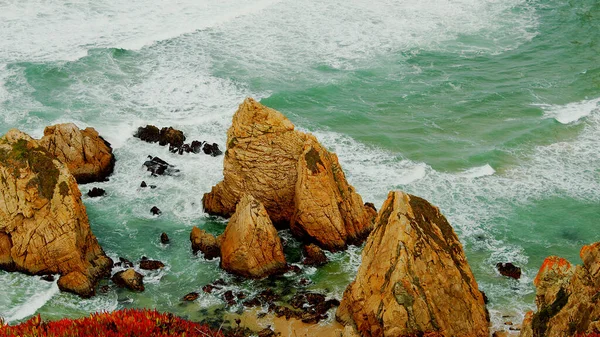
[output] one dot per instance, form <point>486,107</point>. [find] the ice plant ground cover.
<point>127,322</point>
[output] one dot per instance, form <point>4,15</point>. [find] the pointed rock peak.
<point>250,246</point>
<point>414,277</point>
<point>254,119</point>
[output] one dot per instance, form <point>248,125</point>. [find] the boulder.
<point>155,211</point>
<point>190,297</point>
<point>206,243</point>
<point>164,238</point>
<point>149,133</point>
<point>44,227</point>
<point>509,270</point>
<point>151,265</point>
<point>88,156</point>
<point>159,167</point>
<point>129,279</point>
<point>327,209</point>
<point>96,192</point>
<point>250,245</point>
<point>414,278</point>
<point>567,297</point>
<point>212,149</point>
<point>313,255</point>
<point>263,158</point>
<point>164,136</point>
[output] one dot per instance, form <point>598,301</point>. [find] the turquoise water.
<point>490,110</point>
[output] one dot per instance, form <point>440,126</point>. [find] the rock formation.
<point>567,297</point>
<point>414,277</point>
<point>88,156</point>
<point>44,227</point>
<point>205,243</point>
<point>129,279</point>
<point>313,255</point>
<point>292,175</point>
<point>250,245</point>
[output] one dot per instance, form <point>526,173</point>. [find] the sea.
<point>489,109</point>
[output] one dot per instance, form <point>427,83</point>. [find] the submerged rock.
<point>205,243</point>
<point>567,297</point>
<point>155,210</point>
<point>164,238</point>
<point>191,297</point>
<point>414,277</point>
<point>212,149</point>
<point>250,245</point>
<point>129,279</point>
<point>88,156</point>
<point>159,167</point>
<point>292,175</point>
<point>96,192</point>
<point>44,227</point>
<point>509,270</point>
<point>164,136</point>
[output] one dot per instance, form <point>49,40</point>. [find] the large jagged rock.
<point>206,243</point>
<point>88,156</point>
<point>414,277</point>
<point>567,297</point>
<point>44,227</point>
<point>327,209</point>
<point>292,175</point>
<point>250,245</point>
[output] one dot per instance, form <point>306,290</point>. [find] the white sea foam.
<point>38,294</point>
<point>571,112</point>
<point>476,172</point>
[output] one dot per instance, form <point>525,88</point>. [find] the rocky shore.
<point>414,278</point>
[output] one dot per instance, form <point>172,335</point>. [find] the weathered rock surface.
<point>206,243</point>
<point>292,175</point>
<point>88,156</point>
<point>250,245</point>
<point>567,297</point>
<point>327,209</point>
<point>44,227</point>
<point>414,277</point>
<point>159,167</point>
<point>509,270</point>
<point>151,265</point>
<point>164,136</point>
<point>313,255</point>
<point>129,279</point>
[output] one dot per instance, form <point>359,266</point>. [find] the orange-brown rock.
<point>286,170</point>
<point>206,243</point>
<point>250,245</point>
<point>43,223</point>
<point>88,156</point>
<point>567,297</point>
<point>414,278</point>
<point>327,209</point>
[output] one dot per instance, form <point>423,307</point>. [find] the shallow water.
<point>488,109</point>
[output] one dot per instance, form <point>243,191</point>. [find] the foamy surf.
<point>571,112</point>
<point>43,293</point>
<point>476,172</point>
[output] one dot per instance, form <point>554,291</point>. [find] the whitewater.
<point>488,109</point>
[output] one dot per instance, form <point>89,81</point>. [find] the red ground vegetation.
<point>128,322</point>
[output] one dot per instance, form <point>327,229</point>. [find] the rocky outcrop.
<point>206,243</point>
<point>567,297</point>
<point>44,227</point>
<point>414,277</point>
<point>509,270</point>
<point>327,209</point>
<point>88,156</point>
<point>292,175</point>
<point>250,245</point>
<point>313,255</point>
<point>129,279</point>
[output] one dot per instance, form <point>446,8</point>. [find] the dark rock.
<point>48,278</point>
<point>313,255</point>
<point>190,297</point>
<point>209,288</point>
<point>104,289</point>
<point>229,298</point>
<point>143,184</point>
<point>485,298</point>
<point>123,262</point>
<point>371,205</point>
<point>220,282</point>
<point>509,269</point>
<point>144,258</point>
<point>159,167</point>
<point>212,150</point>
<point>96,192</point>
<point>268,296</point>
<point>255,302</point>
<point>267,332</point>
<point>129,279</point>
<point>171,136</point>
<point>151,265</point>
<point>304,281</point>
<point>155,211</point>
<point>196,146</point>
<point>314,298</point>
<point>240,296</point>
<point>164,238</point>
<point>150,134</point>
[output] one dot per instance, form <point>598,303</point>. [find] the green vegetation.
<point>312,159</point>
